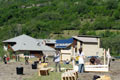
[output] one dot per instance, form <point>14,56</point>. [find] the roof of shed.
<point>47,41</point>
<point>65,41</point>
<point>86,39</point>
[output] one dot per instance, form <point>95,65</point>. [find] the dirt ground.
<point>8,71</point>
<point>114,72</point>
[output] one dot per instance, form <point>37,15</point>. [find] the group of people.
<point>81,61</point>
<point>56,59</point>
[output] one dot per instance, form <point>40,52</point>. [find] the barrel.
<point>34,66</point>
<point>19,70</point>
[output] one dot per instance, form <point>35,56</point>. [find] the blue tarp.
<point>60,46</point>
<point>63,43</point>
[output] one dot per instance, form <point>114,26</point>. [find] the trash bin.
<point>34,66</point>
<point>19,70</point>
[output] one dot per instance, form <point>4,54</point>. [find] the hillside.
<point>48,18</point>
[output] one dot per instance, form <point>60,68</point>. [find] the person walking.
<point>81,61</point>
<point>57,61</point>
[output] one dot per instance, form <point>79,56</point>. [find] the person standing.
<point>44,58</point>
<point>4,59</point>
<point>81,61</point>
<point>57,61</point>
<point>26,60</point>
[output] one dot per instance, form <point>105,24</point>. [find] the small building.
<point>89,44</point>
<point>65,48</point>
<point>25,44</point>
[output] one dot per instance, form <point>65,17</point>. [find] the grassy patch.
<point>51,76</point>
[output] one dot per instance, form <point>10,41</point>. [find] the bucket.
<point>19,70</point>
<point>34,66</point>
<point>113,59</point>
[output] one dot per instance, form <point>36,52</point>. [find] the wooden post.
<point>73,57</point>
<point>60,56</point>
<point>108,58</point>
<point>104,56</point>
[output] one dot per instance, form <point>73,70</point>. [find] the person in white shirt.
<point>57,61</point>
<point>81,61</point>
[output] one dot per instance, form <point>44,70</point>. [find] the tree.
<point>111,4</point>
<point>116,14</point>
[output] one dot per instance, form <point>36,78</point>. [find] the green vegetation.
<point>1,51</point>
<point>44,18</point>
<point>52,76</point>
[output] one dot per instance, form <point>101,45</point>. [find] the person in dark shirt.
<point>44,59</point>
<point>26,60</point>
<point>4,59</point>
<point>92,60</point>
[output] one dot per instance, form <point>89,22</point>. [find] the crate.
<point>43,72</point>
<point>69,75</point>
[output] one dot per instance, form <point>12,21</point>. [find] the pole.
<point>104,57</point>
<point>73,58</point>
